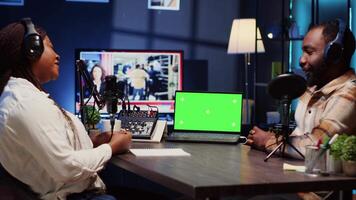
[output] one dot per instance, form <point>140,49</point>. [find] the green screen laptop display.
<point>215,112</point>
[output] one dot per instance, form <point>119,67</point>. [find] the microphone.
<point>112,93</point>
<point>285,88</point>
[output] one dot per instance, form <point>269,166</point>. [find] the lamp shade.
<point>242,37</point>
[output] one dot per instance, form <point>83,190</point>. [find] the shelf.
<point>261,84</point>
<point>287,39</point>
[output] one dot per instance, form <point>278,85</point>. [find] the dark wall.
<point>69,26</point>
<point>201,28</point>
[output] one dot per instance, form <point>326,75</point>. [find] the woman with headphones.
<point>41,144</point>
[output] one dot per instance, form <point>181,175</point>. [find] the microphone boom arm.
<point>82,73</point>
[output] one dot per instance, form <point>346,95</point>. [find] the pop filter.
<point>287,85</point>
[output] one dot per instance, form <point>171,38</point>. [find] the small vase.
<point>349,167</point>
<point>94,132</point>
<point>333,165</point>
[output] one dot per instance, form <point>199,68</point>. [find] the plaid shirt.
<point>327,111</point>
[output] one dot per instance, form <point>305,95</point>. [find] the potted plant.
<point>334,163</point>
<point>92,117</point>
<point>349,156</point>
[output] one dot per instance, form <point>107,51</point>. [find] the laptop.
<point>207,117</point>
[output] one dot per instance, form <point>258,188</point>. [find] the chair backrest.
<point>15,189</point>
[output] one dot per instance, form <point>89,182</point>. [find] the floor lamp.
<point>243,41</point>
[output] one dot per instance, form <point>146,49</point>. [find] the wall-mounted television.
<point>149,77</point>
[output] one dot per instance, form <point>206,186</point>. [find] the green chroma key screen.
<point>208,111</point>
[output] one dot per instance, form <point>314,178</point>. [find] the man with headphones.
<point>328,106</point>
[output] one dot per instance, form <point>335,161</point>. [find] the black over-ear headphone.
<point>333,50</point>
<point>32,42</point>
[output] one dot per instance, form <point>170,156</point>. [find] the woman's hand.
<point>120,141</point>
<point>258,138</point>
<point>104,137</point>
<point>99,138</point>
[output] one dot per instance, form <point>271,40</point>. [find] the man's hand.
<point>258,138</point>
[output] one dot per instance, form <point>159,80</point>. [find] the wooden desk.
<point>214,171</point>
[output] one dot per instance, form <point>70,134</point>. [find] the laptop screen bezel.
<point>207,131</point>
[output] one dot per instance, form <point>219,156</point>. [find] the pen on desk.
<point>332,140</point>
<point>325,147</point>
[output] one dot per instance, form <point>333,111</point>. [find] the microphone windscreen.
<point>288,86</point>
<point>113,89</point>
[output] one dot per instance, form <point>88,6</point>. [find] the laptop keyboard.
<point>203,137</point>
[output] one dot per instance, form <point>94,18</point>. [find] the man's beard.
<point>315,76</point>
<point>311,79</point>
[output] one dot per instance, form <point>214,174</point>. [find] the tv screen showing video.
<point>147,77</point>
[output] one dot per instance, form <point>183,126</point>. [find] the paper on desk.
<point>160,152</point>
<point>289,167</point>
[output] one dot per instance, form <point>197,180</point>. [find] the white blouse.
<point>37,144</point>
